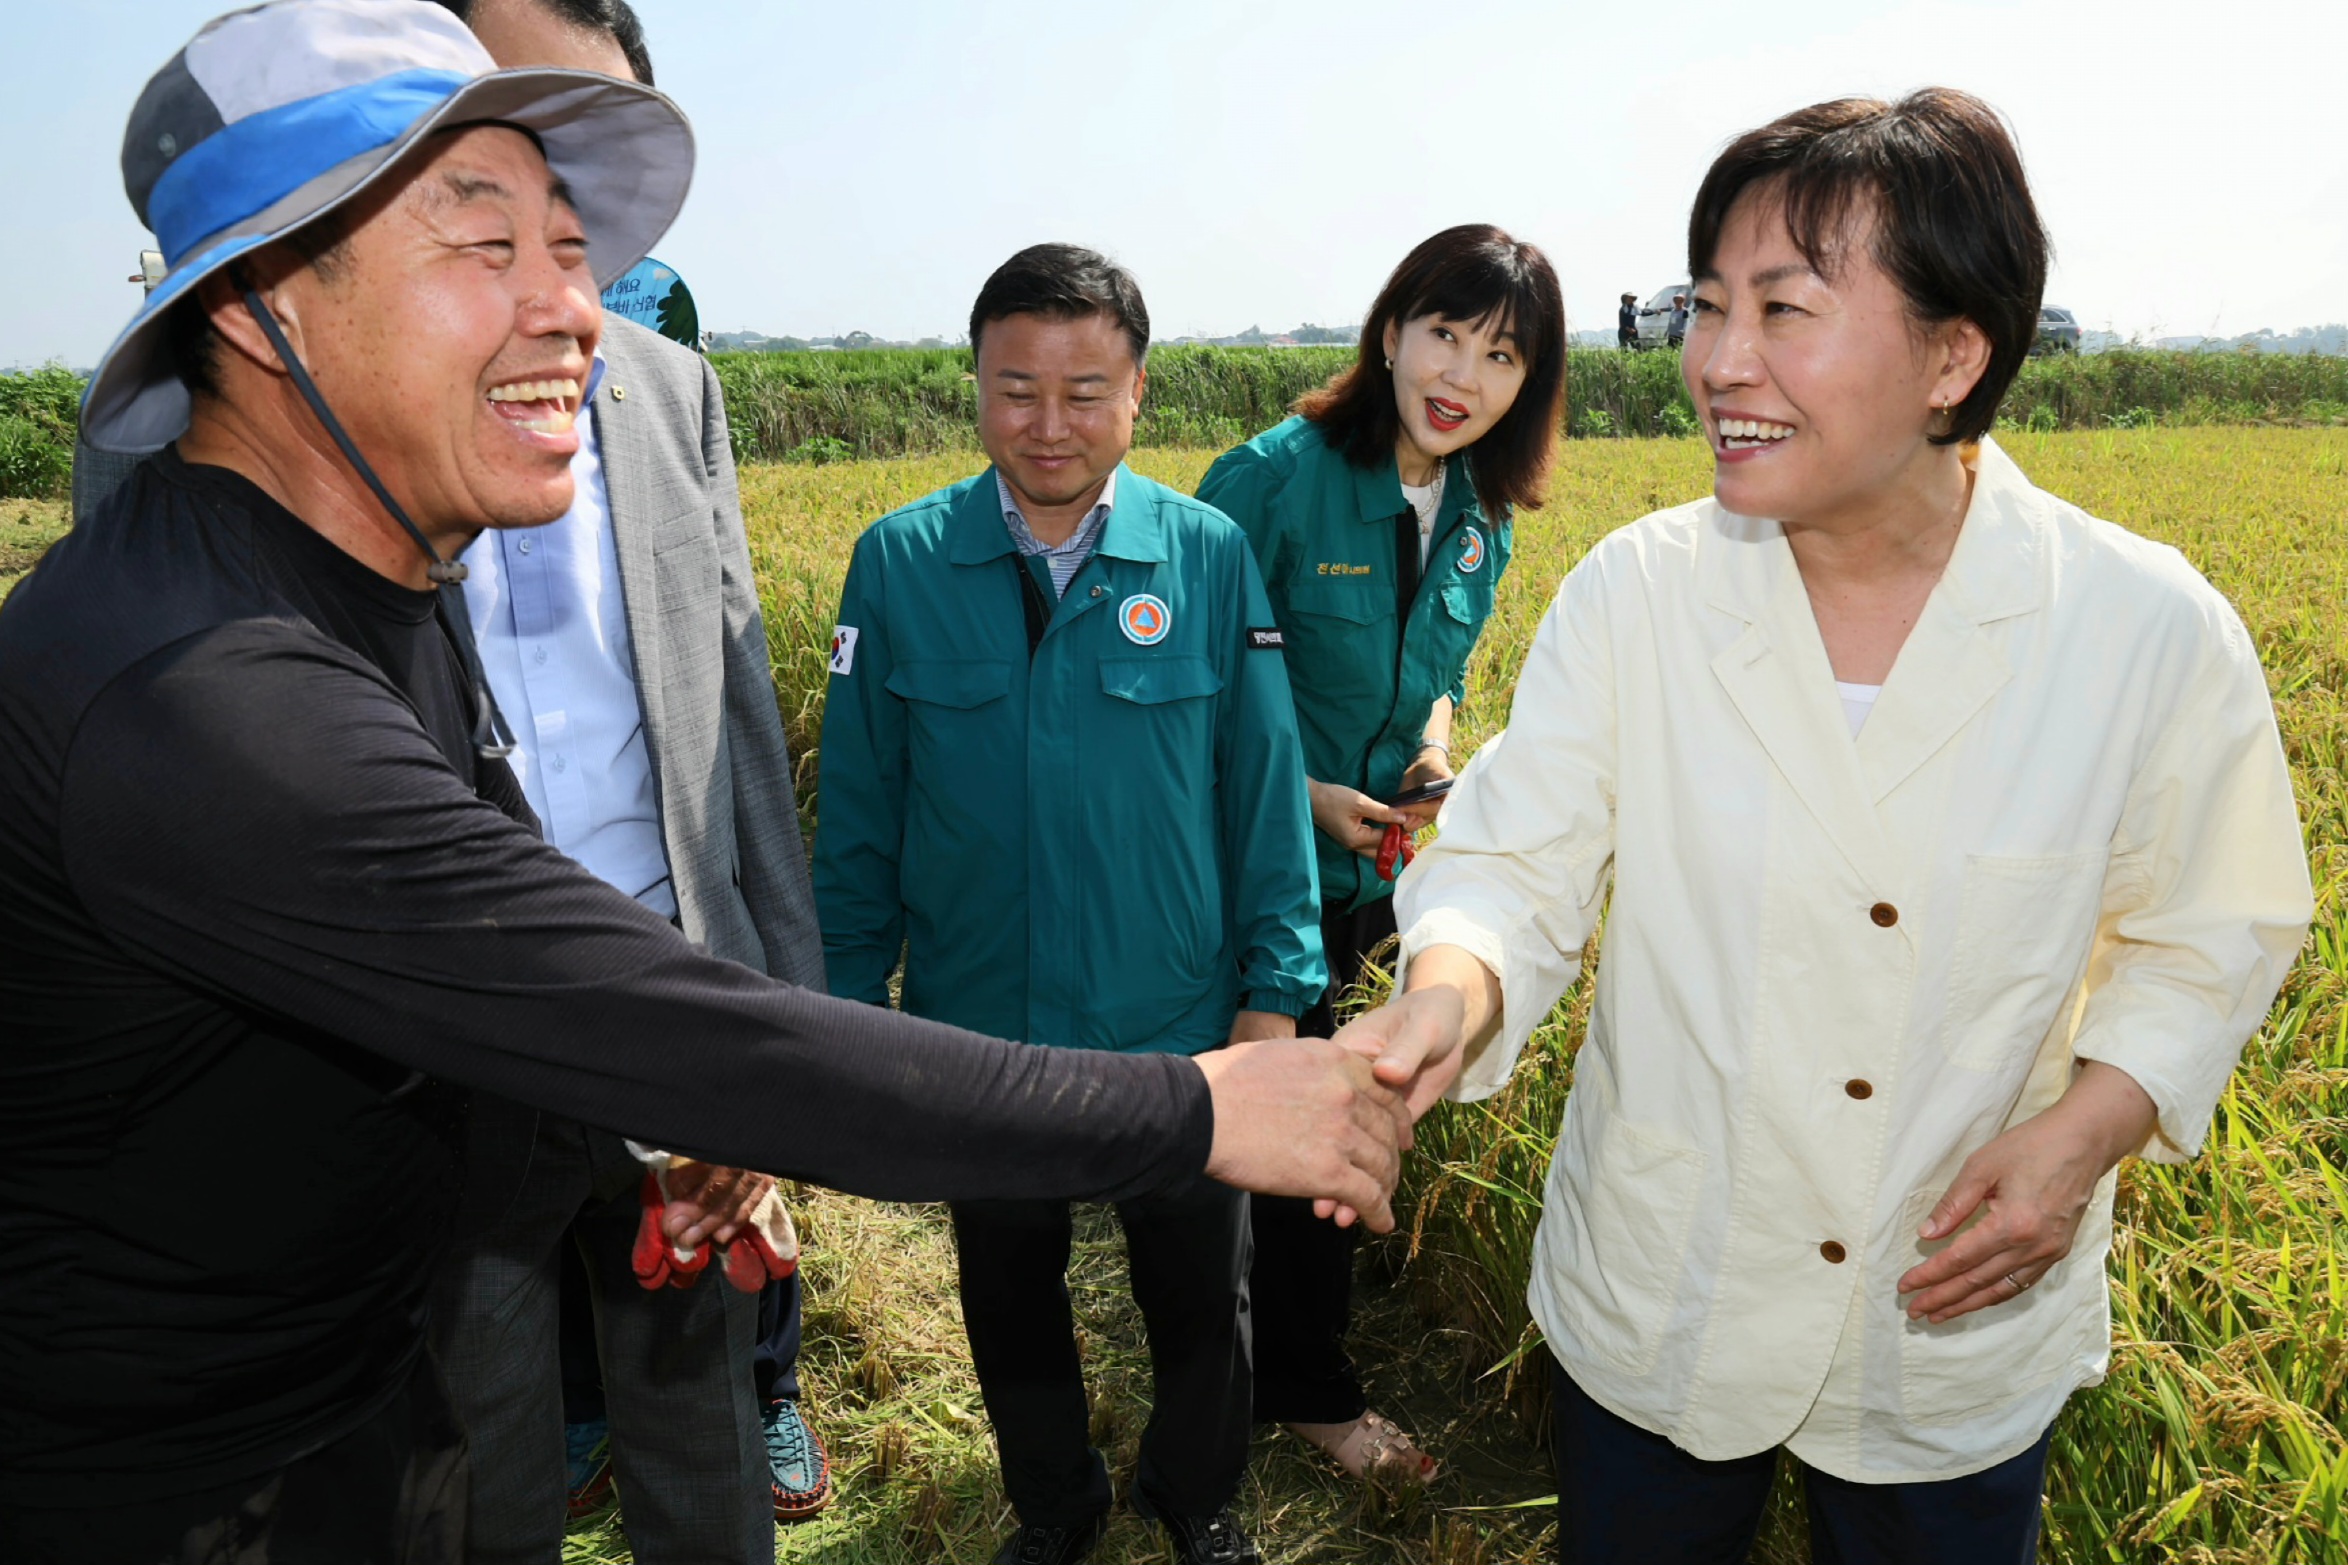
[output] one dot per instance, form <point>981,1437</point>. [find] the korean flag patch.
<point>843,649</point>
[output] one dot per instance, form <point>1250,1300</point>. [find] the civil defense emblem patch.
<point>1144,619</point>
<point>1471,551</point>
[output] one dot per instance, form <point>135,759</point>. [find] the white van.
<point>1655,315</point>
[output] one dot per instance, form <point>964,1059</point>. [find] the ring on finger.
<point>2017,1284</point>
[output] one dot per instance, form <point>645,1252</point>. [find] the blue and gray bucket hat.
<point>273,116</point>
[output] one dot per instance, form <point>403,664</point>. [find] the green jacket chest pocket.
<point>956,713</point>
<point>1150,763</point>
<point>1157,725</point>
<point>1340,641</point>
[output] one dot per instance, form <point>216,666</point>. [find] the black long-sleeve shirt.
<point>263,914</point>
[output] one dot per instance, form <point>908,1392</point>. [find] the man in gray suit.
<point>624,643</point>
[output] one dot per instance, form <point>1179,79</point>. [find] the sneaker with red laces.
<point>799,1471</point>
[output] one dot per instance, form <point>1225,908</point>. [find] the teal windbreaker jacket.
<point>1364,677</point>
<point>1106,847</point>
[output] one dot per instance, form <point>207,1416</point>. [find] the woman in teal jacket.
<point>1381,540</point>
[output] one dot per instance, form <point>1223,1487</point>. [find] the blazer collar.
<point>1134,530</point>
<point>1995,572</point>
<point>1778,676</point>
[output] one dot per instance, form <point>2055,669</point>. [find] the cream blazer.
<point>1833,968</point>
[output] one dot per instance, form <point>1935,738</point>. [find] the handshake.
<point>1331,1118</point>
<point>1323,1118</point>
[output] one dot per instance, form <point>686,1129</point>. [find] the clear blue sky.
<point>1267,161</point>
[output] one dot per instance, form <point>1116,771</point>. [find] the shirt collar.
<point>1016,519</point>
<point>1378,496</point>
<point>982,521</point>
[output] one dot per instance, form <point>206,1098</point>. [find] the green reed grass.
<point>817,408</point>
<point>895,402</point>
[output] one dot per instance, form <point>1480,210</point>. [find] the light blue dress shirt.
<point>553,631</point>
<point>1066,558</point>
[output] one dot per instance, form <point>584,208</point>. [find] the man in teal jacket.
<point>1061,774</point>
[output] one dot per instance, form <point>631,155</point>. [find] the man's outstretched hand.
<point>1304,1117</point>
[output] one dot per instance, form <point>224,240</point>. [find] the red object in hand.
<point>765,1249</point>
<point>751,1262</point>
<point>657,1262</point>
<point>1395,851</point>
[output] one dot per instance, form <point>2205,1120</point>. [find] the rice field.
<point>2217,1438</point>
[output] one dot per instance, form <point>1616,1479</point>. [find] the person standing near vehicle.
<point>1679,320</point>
<point>1381,518</point>
<point>631,656</point>
<point>1626,322</point>
<point>1060,774</point>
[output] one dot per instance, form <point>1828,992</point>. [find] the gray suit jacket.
<point>720,766</point>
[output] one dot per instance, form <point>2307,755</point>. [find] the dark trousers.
<point>1186,1252</point>
<point>687,1446</point>
<point>1300,1291</point>
<point>391,1492</point>
<point>1626,1496</point>
<point>774,1361</point>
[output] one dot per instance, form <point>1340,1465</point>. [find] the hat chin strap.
<point>492,739</point>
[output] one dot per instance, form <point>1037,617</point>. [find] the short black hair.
<point>615,17</point>
<point>1064,283</point>
<point>1955,226</point>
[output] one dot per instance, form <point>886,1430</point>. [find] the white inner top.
<point>1858,701</point>
<point>1427,500</point>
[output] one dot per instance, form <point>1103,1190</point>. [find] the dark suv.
<point>2058,331</point>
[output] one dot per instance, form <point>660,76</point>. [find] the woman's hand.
<point>1433,765</point>
<point>1415,1042</point>
<point>1419,1041</point>
<point>2032,1186</point>
<point>1345,815</point>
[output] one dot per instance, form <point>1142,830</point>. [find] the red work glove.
<point>1394,852</point>
<point>658,1263</point>
<point>766,1248</point>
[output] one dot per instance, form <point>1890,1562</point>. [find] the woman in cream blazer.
<point>1952,855</point>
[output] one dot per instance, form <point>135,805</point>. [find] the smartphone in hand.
<point>1422,794</point>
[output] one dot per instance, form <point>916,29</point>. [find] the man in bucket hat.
<point>270,898</point>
